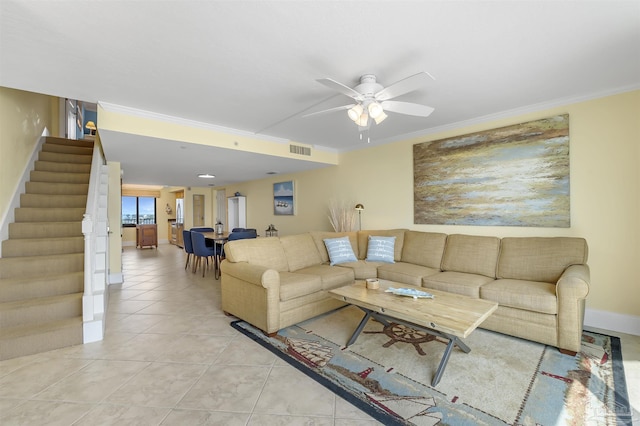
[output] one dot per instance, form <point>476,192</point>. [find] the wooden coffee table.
<point>447,315</point>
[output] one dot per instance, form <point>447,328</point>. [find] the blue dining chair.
<point>201,250</point>
<point>204,229</point>
<point>188,246</point>
<point>241,235</point>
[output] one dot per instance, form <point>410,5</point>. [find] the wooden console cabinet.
<point>146,235</point>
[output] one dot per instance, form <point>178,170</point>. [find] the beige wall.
<point>605,193</point>
<point>24,116</point>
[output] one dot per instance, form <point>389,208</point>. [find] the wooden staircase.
<point>41,269</point>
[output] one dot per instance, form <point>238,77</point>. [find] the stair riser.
<point>30,214</point>
<point>42,247</point>
<point>58,177</point>
<point>83,143</point>
<point>51,201</point>
<point>49,166</point>
<point>44,230</point>
<point>64,158</point>
<point>66,149</point>
<point>12,290</point>
<point>29,344</point>
<point>57,188</point>
<point>22,267</point>
<point>67,307</point>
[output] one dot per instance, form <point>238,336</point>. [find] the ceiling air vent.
<point>300,150</point>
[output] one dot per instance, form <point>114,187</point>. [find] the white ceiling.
<point>252,66</point>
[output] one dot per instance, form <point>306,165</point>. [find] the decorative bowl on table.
<point>372,283</point>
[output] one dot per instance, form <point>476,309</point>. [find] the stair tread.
<point>44,239</point>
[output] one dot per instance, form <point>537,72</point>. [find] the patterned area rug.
<point>387,373</point>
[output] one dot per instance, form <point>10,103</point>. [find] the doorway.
<point>198,210</point>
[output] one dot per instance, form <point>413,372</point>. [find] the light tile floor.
<point>170,357</point>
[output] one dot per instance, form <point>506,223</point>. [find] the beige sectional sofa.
<point>540,284</point>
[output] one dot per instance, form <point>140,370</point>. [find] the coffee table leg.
<point>453,341</point>
<point>363,322</point>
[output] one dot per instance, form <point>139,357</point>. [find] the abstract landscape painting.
<point>511,176</point>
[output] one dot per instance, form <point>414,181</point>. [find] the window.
<point>138,211</point>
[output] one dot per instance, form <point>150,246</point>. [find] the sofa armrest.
<point>253,274</point>
<point>251,293</point>
<point>571,290</point>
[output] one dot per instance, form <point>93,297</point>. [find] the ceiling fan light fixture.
<point>380,118</point>
<point>375,110</point>
<point>355,112</point>
<point>363,120</point>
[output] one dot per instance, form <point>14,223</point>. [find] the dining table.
<point>218,240</point>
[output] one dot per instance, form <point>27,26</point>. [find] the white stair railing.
<point>94,228</point>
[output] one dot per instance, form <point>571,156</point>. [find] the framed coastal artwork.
<point>283,198</point>
<point>511,176</point>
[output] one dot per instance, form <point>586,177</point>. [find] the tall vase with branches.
<point>342,215</point>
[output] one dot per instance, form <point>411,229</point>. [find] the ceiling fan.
<point>373,99</point>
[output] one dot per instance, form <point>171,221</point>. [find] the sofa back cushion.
<point>423,248</point>
<point>266,252</point>
<point>301,251</point>
<point>320,236</point>
<point>363,242</point>
<point>540,258</point>
<point>471,254</point>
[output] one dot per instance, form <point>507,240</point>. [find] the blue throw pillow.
<point>340,250</point>
<point>381,249</point>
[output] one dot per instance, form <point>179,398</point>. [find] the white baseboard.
<point>93,331</point>
<point>621,323</point>
<point>116,278</point>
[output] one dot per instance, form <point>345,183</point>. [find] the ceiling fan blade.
<point>345,90</point>
<point>407,108</point>
<point>325,111</point>
<point>403,86</point>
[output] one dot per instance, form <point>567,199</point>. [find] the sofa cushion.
<point>294,285</point>
<point>423,248</point>
<point>363,241</point>
<point>381,249</point>
<point>540,259</point>
<point>362,269</point>
<point>301,251</point>
<point>330,276</point>
<point>340,250</point>
<point>265,252</point>
<point>471,254</point>
<point>457,282</point>
<point>529,295</point>
<point>406,273</point>
<point>319,237</point>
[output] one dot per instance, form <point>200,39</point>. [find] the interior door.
<point>198,210</point>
